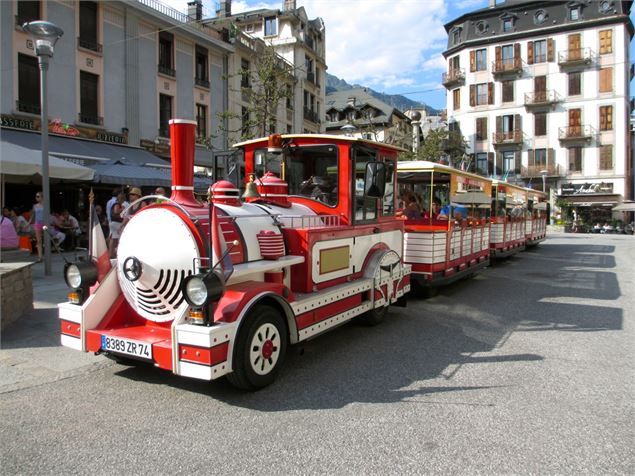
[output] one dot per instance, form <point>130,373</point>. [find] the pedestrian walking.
<point>37,220</point>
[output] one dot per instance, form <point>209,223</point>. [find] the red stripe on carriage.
<point>204,355</point>
<point>70,328</point>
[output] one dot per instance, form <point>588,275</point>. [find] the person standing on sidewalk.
<point>37,220</point>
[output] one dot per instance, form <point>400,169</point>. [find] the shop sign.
<point>160,148</point>
<point>56,126</point>
<point>584,188</point>
<point>20,123</point>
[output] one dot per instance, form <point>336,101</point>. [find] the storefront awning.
<point>627,206</point>
<point>592,199</point>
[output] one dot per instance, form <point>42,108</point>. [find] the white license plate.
<point>126,346</point>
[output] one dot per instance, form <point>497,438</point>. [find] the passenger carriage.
<point>451,243</point>
<point>509,209</point>
<point>537,213</point>
<point>222,288</point>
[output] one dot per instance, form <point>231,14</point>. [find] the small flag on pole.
<point>97,247</point>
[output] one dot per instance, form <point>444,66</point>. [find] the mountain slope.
<point>333,83</point>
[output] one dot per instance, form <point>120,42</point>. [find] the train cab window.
<point>312,172</point>
<point>499,203</point>
<point>365,208</point>
<point>389,196</point>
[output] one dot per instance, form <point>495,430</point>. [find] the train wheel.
<point>373,317</point>
<point>260,349</point>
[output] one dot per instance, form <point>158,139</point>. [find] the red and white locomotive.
<point>222,288</point>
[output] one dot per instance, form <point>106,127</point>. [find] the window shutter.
<point>472,61</point>
<point>530,158</point>
<point>518,126</point>
<point>516,54</point>
<point>517,159</point>
<point>498,52</point>
<point>602,118</point>
<point>479,129</point>
<point>490,93</point>
<point>472,95</point>
<point>499,124</point>
<point>530,52</point>
<point>609,118</point>
<point>484,127</point>
<point>490,162</point>
<point>550,49</point>
<point>551,157</point>
<point>498,169</point>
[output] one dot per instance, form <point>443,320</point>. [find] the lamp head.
<point>45,34</point>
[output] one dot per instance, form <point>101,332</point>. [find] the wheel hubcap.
<point>265,349</point>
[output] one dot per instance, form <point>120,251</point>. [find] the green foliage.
<point>440,145</point>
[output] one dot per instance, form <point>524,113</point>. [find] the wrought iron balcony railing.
<point>311,115</point>
<point>575,57</point>
<point>204,83</point>
<point>572,133</point>
<point>533,171</point>
<point>509,137</point>
<point>91,119</point>
<point>542,98</point>
<point>453,77</point>
<point>167,71</point>
<point>508,66</point>
<point>28,107</point>
<point>89,45</point>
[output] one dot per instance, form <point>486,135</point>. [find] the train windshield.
<point>310,171</point>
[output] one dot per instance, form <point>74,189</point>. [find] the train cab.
<point>509,215</point>
<point>446,213</point>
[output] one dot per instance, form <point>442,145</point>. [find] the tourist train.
<point>320,236</point>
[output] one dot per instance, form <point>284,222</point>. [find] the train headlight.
<point>79,276</point>
<point>202,289</point>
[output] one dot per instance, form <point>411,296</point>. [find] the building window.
<point>509,161</point>
<point>271,26</point>
<point>540,124</point>
<point>482,27</point>
<point>575,159</point>
<point>244,74</point>
<point>165,114</point>
<point>89,98</point>
<point>27,11</point>
<point>508,24</point>
<point>574,13</point>
<point>606,118</point>
<point>244,114</point>
<point>456,36</point>
<point>540,158</point>
<point>575,84</point>
<point>606,41</point>
<point>482,163</point>
<point>481,128</point>
<point>481,60</point>
<point>606,80</point>
<point>540,51</point>
<point>540,17</point>
<point>606,157</point>
<point>88,26</point>
<point>201,120</point>
<point>508,91</point>
<point>289,95</point>
<point>481,94</point>
<point>166,45</point>
<point>455,64</point>
<point>201,68</point>
<point>28,84</point>
<point>456,99</point>
<point>507,57</point>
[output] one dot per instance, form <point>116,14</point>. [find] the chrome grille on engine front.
<point>166,295</point>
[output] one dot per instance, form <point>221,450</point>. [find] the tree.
<point>440,145</point>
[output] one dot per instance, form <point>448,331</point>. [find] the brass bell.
<point>251,190</point>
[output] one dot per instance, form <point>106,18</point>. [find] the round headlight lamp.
<point>80,275</point>
<point>201,289</point>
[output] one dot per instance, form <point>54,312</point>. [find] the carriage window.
<point>499,202</point>
<point>365,207</point>
<point>418,191</point>
<point>312,172</point>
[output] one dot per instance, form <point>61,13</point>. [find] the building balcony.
<point>576,133</point>
<point>576,57</point>
<point>507,67</point>
<point>514,137</point>
<point>89,45</point>
<point>203,83</point>
<point>542,99</point>
<point>28,107</point>
<point>534,171</point>
<point>167,71</point>
<point>311,115</point>
<point>454,77</point>
<point>91,119</point>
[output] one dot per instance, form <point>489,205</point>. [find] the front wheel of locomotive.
<point>260,349</point>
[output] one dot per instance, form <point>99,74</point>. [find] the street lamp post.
<point>544,173</point>
<point>46,35</point>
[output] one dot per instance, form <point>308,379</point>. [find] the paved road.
<point>528,368</point>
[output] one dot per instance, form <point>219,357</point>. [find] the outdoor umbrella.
<point>625,207</point>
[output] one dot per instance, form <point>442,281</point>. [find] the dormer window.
<point>574,13</point>
<point>540,17</point>
<point>456,35</point>
<point>481,27</point>
<point>508,24</point>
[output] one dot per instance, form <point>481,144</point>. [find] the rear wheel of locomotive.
<point>373,317</point>
<point>260,349</point>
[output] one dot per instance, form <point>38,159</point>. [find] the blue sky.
<point>392,46</point>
